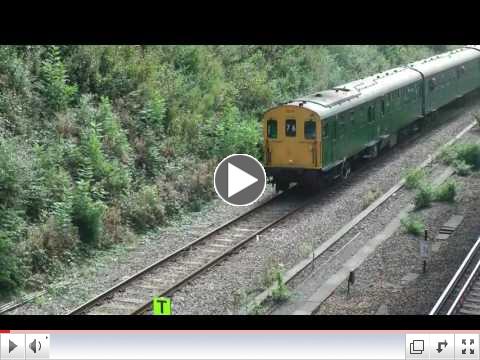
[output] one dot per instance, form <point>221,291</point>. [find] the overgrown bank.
<point>99,142</point>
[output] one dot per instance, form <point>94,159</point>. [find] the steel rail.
<point>144,308</point>
<point>459,274</point>
<point>84,307</point>
<point>466,287</point>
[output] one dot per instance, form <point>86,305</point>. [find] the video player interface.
<point>239,345</point>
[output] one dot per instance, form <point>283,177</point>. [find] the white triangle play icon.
<point>238,180</point>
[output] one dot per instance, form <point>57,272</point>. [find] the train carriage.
<point>318,136</point>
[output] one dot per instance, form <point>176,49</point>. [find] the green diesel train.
<point>319,135</point>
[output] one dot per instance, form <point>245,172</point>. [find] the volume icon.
<point>35,346</point>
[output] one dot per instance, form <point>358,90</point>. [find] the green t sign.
<point>162,306</point>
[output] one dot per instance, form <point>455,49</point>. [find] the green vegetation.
<point>424,196</point>
<point>413,224</point>
<point>280,293</point>
<point>464,157</point>
<point>446,192</point>
<point>100,141</point>
<point>414,178</point>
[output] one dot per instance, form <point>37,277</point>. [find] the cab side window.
<point>291,128</point>
<point>272,129</point>
<point>310,128</point>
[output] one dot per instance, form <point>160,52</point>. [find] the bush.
<point>424,196</point>
<point>448,155</point>
<point>468,154</point>
<point>236,135</point>
<point>446,192</point>
<point>115,229</point>
<point>16,173</point>
<point>12,227</point>
<point>10,277</point>
<point>462,168</point>
<point>54,88</point>
<point>114,138</point>
<point>413,225</point>
<point>51,239</point>
<point>414,178</point>
<point>280,293</point>
<point>145,209</point>
<point>87,214</point>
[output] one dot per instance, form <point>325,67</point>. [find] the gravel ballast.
<point>392,280</point>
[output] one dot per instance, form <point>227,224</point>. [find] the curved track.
<point>134,295</point>
<point>462,294</point>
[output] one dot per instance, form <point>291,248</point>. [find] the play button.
<point>11,346</point>
<point>239,180</point>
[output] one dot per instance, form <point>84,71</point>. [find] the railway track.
<point>462,294</point>
<point>134,295</point>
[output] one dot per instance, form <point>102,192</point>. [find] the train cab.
<point>292,135</point>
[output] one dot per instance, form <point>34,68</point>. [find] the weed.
<point>280,293</point>
<point>468,154</point>
<point>446,192</point>
<point>370,197</point>
<point>414,178</point>
<point>424,196</point>
<point>413,225</point>
<point>462,168</point>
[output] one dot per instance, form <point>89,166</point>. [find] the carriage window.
<point>310,130</point>
<point>272,129</point>
<point>383,107</point>
<point>433,83</point>
<point>291,127</point>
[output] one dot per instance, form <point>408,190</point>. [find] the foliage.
<point>424,196</point>
<point>58,94</point>
<point>280,293</point>
<point>414,178</point>
<point>11,230</point>
<point>446,192</point>
<point>87,214</point>
<point>462,155</point>
<point>145,209</point>
<point>469,153</point>
<point>462,168</point>
<point>413,225</point>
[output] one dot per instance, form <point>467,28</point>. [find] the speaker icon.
<point>35,346</point>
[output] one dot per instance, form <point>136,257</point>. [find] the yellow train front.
<point>292,136</point>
